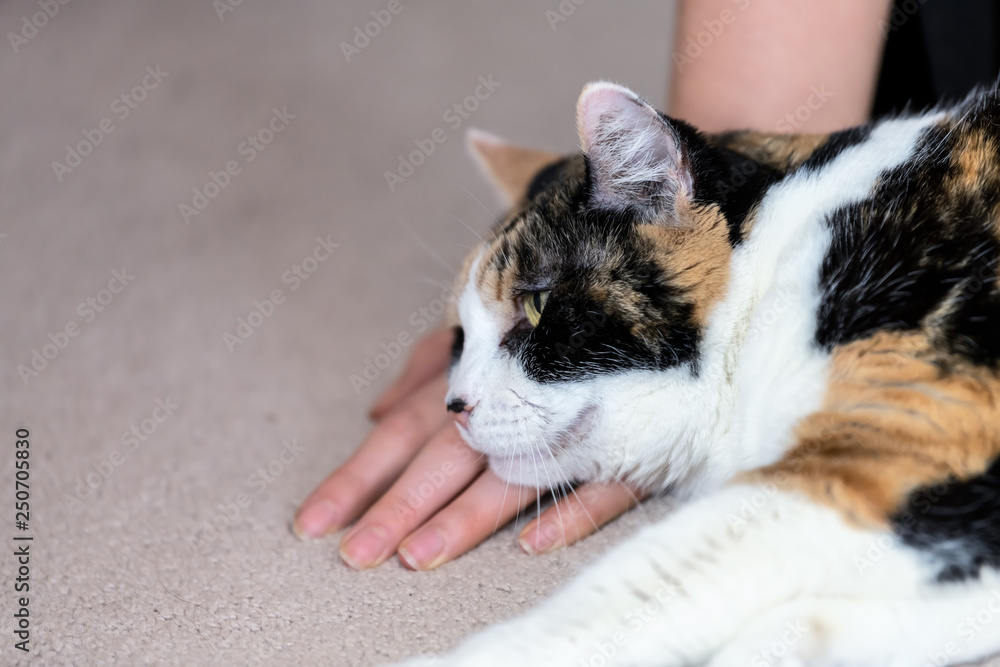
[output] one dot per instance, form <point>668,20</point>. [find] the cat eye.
<point>533,304</point>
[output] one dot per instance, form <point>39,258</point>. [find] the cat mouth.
<point>539,466</point>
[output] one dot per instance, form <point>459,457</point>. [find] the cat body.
<point>801,334</point>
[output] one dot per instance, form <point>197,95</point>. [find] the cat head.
<point>581,352</point>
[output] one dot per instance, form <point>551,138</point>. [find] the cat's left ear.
<point>510,168</point>
<point>637,159</point>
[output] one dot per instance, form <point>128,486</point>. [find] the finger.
<point>429,358</point>
<point>380,459</point>
<point>577,515</point>
<point>439,472</point>
<point>487,504</point>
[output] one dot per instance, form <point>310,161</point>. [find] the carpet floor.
<point>177,410</point>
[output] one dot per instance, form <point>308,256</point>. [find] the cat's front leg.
<point>592,616</point>
<point>678,591</point>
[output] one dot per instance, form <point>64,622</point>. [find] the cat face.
<point>583,321</point>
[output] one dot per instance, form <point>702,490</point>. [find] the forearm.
<point>750,63</point>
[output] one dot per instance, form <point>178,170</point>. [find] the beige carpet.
<point>153,411</point>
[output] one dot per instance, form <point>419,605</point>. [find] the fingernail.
<point>365,548</point>
<point>315,521</point>
<point>424,551</point>
<point>542,538</point>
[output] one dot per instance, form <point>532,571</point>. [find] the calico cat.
<point>801,334</point>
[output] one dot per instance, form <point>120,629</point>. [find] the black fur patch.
<point>557,242</point>
<point>572,253</point>
<point>916,246</point>
<point>546,177</point>
<point>837,143</point>
<point>732,181</point>
<point>957,522</point>
<point>741,186</point>
<point>577,339</point>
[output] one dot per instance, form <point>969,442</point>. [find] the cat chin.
<point>526,470</point>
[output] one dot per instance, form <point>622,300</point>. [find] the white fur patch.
<point>750,576</point>
<point>774,296</point>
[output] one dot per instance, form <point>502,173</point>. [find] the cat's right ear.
<point>637,160</point>
<point>510,168</point>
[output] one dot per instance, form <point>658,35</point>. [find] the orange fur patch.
<point>497,284</point>
<point>976,167</point>
<point>780,151</point>
<point>695,254</point>
<point>898,415</point>
<point>975,157</point>
<point>512,168</point>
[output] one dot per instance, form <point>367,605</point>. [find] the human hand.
<point>421,491</point>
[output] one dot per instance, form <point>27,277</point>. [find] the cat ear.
<point>510,168</point>
<point>636,158</point>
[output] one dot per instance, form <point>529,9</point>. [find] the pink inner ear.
<point>634,153</point>
<point>596,100</point>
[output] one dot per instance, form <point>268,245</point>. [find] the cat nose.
<point>461,410</point>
